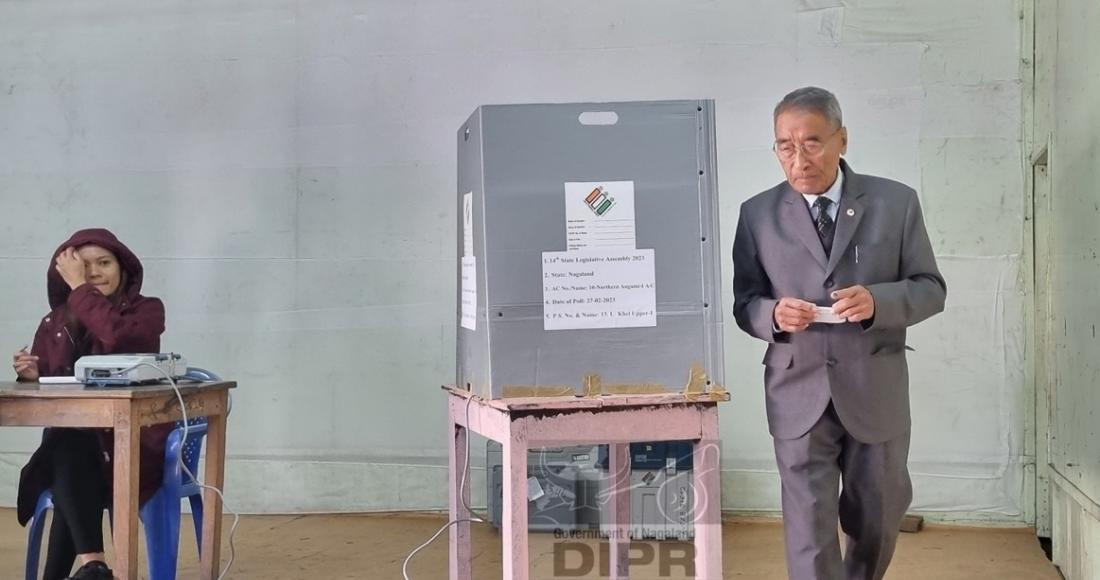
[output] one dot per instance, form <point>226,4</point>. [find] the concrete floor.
<point>374,546</point>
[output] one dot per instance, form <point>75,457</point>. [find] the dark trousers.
<point>870,506</point>
<point>80,495</point>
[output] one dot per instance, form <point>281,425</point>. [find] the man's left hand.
<point>854,304</point>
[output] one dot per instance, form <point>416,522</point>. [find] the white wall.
<point>1071,125</point>
<point>287,170</point>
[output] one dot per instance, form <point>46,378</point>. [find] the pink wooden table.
<point>618,420</point>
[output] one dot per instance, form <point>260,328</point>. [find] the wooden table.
<point>618,420</point>
<point>126,410</point>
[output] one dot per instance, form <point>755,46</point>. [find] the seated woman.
<point>94,289</point>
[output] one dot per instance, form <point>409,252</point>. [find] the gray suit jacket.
<point>860,367</point>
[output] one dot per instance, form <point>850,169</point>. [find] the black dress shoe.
<point>94,570</point>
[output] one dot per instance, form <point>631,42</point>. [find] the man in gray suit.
<point>830,268</point>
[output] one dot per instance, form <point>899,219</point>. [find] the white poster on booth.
<point>468,224</point>
<point>599,214</point>
<point>599,289</point>
<point>469,293</point>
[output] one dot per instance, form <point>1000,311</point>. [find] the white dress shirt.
<point>833,193</point>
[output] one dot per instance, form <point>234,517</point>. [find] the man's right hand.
<point>793,315</point>
<point>25,365</point>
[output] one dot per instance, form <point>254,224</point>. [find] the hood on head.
<point>56,288</point>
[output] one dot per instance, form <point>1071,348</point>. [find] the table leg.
<point>619,503</point>
<point>708,501</point>
<point>127,464</point>
<point>514,517</point>
<point>214,475</point>
<point>460,532</point>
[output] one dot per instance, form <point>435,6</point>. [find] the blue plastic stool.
<point>160,515</point>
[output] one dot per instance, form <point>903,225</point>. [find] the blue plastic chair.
<point>160,515</point>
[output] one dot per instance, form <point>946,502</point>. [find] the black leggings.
<point>79,497</point>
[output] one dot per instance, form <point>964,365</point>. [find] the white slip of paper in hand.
<point>826,315</point>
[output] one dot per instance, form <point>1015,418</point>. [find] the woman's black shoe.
<point>94,570</point>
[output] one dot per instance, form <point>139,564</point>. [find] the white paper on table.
<point>468,224</point>
<point>60,383</point>
<point>469,293</point>
<point>64,380</point>
<point>599,214</point>
<point>599,289</point>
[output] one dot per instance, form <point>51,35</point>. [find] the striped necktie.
<point>824,222</point>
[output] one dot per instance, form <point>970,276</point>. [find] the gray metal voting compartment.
<point>568,481</point>
<point>514,161</point>
<point>662,504</point>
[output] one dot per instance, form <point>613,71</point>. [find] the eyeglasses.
<point>786,150</point>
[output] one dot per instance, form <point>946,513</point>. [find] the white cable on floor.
<point>404,567</point>
<point>461,494</point>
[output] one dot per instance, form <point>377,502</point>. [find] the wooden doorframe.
<point>1038,57</point>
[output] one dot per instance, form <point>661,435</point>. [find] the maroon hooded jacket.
<point>84,321</point>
